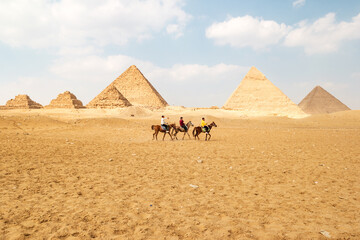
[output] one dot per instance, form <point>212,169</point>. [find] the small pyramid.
<point>320,101</point>
<point>22,102</point>
<point>65,100</point>
<point>257,96</point>
<point>110,97</point>
<point>137,89</point>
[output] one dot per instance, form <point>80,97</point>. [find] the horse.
<point>158,129</point>
<point>198,130</point>
<point>180,129</point>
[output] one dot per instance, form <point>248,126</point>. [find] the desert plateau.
<point>97,173</point>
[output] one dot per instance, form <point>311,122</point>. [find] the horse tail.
<point>194,132</point>
<point>152,127</point>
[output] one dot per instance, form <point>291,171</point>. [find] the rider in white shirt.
<point>164,125</point>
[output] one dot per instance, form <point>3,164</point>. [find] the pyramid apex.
<point>254,69</point>
<point>255,74</point>
<point>133,67</point>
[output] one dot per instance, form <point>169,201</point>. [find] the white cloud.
<point>356,75</point>
<point>247,31</point>
<point>70,23</point>
<point>175,29</point>
<point>325,35</point>
<point>298,3</point>
<point>191,73</point>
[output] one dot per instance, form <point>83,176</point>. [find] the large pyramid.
<point>110,97</point>
<point>137,89</point>
<point>257,96</point>
<point>65,100</point>
<point>320,101</point>
<point>22,101</point>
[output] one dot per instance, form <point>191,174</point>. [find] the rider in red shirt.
<point>182,124</point>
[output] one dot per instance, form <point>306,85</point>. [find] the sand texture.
<point>110,97</point>
<point>94,173</point>
<point>257,96</point>
<point>65,100</point>
<point>22,101</point>
<point>319,101</point>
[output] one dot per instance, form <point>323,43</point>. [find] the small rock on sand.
<point>194,186</point>
<point>28,224</point>
<point>325,233</point>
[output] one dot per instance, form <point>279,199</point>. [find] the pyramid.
<point>22,102</point>
<point>137,89</point>
<point>110,97</point>
<point>257,96</point>
<point>65,100</point>
<point>320,101</point>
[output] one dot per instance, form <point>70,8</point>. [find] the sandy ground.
<point>82,174</point>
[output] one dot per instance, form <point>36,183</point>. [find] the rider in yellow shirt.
<point>204,125</point>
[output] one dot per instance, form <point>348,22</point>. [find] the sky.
<point>194,52</point>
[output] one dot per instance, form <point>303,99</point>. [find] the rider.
<point>164,125</point>
<point>204,125</point>
<point>182,124</point>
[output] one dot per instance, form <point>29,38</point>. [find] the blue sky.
<point>194,52</point>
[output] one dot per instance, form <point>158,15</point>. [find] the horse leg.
<point>206,136</point>
<point>209,137</point>
<point>164,135</point>
<point>176,132</point>
<point>188,134</point>
<point>171,136</point>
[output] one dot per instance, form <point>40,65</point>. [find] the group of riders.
<point>166,128</point>
<point>165,125</point>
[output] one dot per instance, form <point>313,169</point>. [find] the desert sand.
<point>97,173</point>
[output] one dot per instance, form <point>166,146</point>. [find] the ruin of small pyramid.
<point>257,96</point>
<point>137,89</point>
<point>320,101</point>
<point>65,100</point>
<point>22,101</point>
<point>110,97</point>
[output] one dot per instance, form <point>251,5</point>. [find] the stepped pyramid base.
<point>22,102</point>
<point>65,100</point>
<point>110,97</point>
